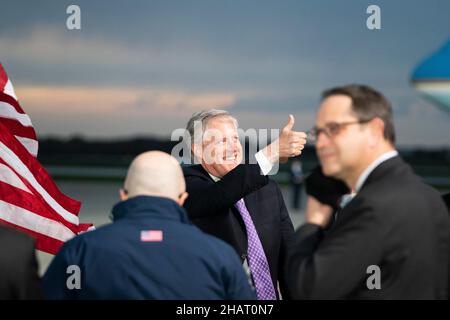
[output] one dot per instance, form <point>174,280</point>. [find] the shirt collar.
<point>385,156</point>
<point>346,198</point>
<point>213,177</point>
<point>149,207</point>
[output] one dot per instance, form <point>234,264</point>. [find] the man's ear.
<point>377,130</point>
<point>196,150</point>
<point>197,153</point>
<point>182,198</point>
<point>123,194</point>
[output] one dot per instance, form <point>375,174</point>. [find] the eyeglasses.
<point>331,129</point>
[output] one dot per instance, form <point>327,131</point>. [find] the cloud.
<point>59,46</point>
<point>51,45</point>
<point>49,55</point>
<point>99,100</point>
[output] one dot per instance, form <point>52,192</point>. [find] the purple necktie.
<point>256,258</point>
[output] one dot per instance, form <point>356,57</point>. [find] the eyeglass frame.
<point>314,132</point>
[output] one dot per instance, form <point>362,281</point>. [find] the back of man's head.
<point>155,173</point>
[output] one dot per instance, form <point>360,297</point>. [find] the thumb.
<point>290,123</point>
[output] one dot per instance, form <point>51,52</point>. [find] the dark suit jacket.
<point>210,206</point>
<point>446,198</point>
<point>18,267</point>
<point>395,222</point>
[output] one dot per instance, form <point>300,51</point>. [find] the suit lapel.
<point>383,170</point>
<point>386,169</point>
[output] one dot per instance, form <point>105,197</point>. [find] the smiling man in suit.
<point>391,241</point>
<point>237,202</point>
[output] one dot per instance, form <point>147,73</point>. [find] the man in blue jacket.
<point>151,250</point>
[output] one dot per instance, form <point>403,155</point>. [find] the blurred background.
<point>137,70</point>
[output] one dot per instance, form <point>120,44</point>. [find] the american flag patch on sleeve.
<point>151,235</point>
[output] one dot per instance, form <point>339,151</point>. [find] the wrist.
<point>317,220</point>
<point>271,152</point>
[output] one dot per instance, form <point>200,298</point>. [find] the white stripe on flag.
<point>11,158</point>
<point>30,144</point>
<point>8,111</point>
<point>9,89</point>
<point>10,177</point>
<point>34,222</point>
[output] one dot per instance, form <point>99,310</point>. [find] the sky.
<point>141,68</point>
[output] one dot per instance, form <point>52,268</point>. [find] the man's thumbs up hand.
<point>289,144</point>
<point>290,124</point>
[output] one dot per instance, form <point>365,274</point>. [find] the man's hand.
<point>289,144</point>
<point>326,190</point>
<point>318,213</point>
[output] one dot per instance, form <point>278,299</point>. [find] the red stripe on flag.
<point>3,78</point>
<point>39,173</point>
<point>17,129</point>
<point>33,203</point>
<point>11,101</point>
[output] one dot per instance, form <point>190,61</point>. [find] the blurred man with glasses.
<point>391,240</point>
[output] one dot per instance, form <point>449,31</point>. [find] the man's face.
<point>342,154</point>
<point>221,148</point>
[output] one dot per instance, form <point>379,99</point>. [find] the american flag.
<point>151,235</point>
<point>29,199</point>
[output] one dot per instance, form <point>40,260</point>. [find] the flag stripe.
<point>9,89</point>
<point>17,121</point>
<point>17,129</point>
<point>34,222</point>
<point>13,117</point>
<point>10,157</point>
<point>31,202</point>
<point>11,101</point>
<point>9,112</point>
<point>19,157</point>
<point>30,144</point>
<point>8,176</point>
<point>3,78</point>
<point>29,198</point>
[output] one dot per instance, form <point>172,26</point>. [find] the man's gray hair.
<point>200,120</point>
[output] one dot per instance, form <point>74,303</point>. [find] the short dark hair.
<point>367,104</point>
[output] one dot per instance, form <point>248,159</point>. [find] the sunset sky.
<point>143,67</point>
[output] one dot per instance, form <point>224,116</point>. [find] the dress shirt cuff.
<point>263,163</point>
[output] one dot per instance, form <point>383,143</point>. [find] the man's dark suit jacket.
<point>446,198</point>
<point>18,267</point>
<point>210,206</point>
<point>396,222</point>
